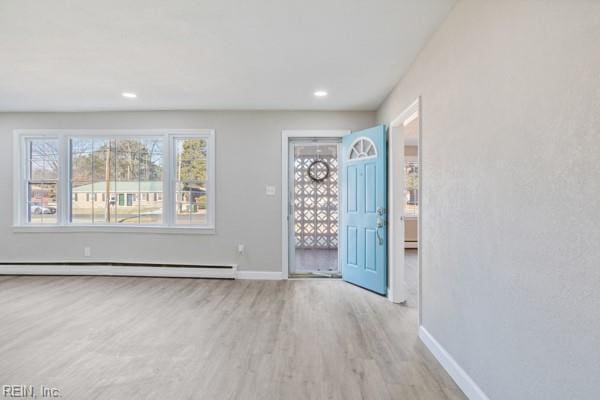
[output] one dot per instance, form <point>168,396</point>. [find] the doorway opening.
<point>411,209</point>
<point>314,187</point>
<point>405,200</point>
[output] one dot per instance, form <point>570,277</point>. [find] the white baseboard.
<point>150,271</point>
<point>260,275</point>
<point>462,379</point>
<point>114,270</point>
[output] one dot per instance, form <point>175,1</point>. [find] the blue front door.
<point>364,209</point>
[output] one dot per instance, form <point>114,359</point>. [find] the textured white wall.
<point>511,193</point>
<point>248,157</point>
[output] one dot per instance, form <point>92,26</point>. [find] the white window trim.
<point>20,223</point>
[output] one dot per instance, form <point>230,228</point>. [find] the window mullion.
<point>64,179</point>
<point>139,194</point>
<point>24,189</point>
<point>93,187</point>
<point>168,181</point>
<point>210,186</point>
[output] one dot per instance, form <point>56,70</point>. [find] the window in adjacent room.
<point>411,188</point>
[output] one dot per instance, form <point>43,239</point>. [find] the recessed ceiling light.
<point>320,93</point>
<point>129,95</point>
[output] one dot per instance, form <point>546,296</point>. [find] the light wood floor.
<point>155,338</point>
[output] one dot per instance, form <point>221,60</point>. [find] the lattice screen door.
<point>315,203</point>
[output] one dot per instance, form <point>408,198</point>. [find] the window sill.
<point>195,230</point>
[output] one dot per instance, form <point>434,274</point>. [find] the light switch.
<point>270,191</point>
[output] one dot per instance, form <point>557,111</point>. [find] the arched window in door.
<point>362,148</point>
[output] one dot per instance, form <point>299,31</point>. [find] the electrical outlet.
<point>241,249</point>
<point>87,251</point>
<point>270,191</point>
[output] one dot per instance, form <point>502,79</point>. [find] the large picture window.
<point>136,179</point>
<point>112,178</point>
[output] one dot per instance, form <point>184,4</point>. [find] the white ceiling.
<point>200,54</point>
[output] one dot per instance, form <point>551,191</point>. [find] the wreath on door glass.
<point>318,171</point>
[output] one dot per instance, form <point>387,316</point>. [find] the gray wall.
<point>248,157</point>
<point>511,188</point>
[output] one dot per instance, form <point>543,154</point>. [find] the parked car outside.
<point>41,209</point>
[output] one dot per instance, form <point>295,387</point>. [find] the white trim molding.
<point>153,229</point>
<point>459,375</point>
<point>259,275</point>
<point>398,291</point>
<point>118,270</point>
<point>85,269</point>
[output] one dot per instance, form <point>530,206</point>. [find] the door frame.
<point>397,284</point>
<point>286,136</point>
<point>291,206</point>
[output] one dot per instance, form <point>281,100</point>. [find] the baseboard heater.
<point>119,269</point>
